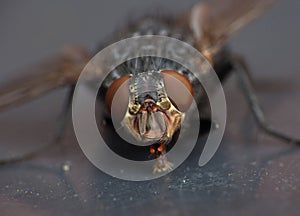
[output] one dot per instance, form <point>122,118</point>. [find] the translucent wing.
<point>54,73</point>
<point>214,21</point>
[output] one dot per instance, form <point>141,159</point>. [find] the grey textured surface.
<point>251,174</point>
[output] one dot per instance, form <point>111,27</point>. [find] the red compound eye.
<point>179,89</point>
<point>121,85</point>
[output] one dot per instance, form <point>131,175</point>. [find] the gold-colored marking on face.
<point>164,103</point>
<point>134,108</point>
<point>153,122</point>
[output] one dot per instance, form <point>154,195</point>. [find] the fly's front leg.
<point>159,152</point>
<point>243,76</point>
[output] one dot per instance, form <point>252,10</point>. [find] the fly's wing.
<point>54,73</point>
<point>214,21</point>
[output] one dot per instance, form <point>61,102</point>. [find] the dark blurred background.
<point>251,174</point>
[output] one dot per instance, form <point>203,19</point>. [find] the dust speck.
<point>66,167</point>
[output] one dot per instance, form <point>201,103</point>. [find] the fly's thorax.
<point>174,28</point>
<point>155,25</point>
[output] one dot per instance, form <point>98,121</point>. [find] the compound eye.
<point>179,89</point>
<point>121,85</point>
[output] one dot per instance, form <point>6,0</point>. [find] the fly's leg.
<point>64,116</point>
<point>162,164</point>
<point>63,119</point>
<point>246,84</point>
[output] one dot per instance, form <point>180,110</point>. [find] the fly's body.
<point>151,114</point>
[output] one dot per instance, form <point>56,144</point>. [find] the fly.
<point>151,110</point>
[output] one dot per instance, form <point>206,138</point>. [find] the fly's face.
<point>153,105</point>
<point>154,110</point>
<point>151,116</point>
